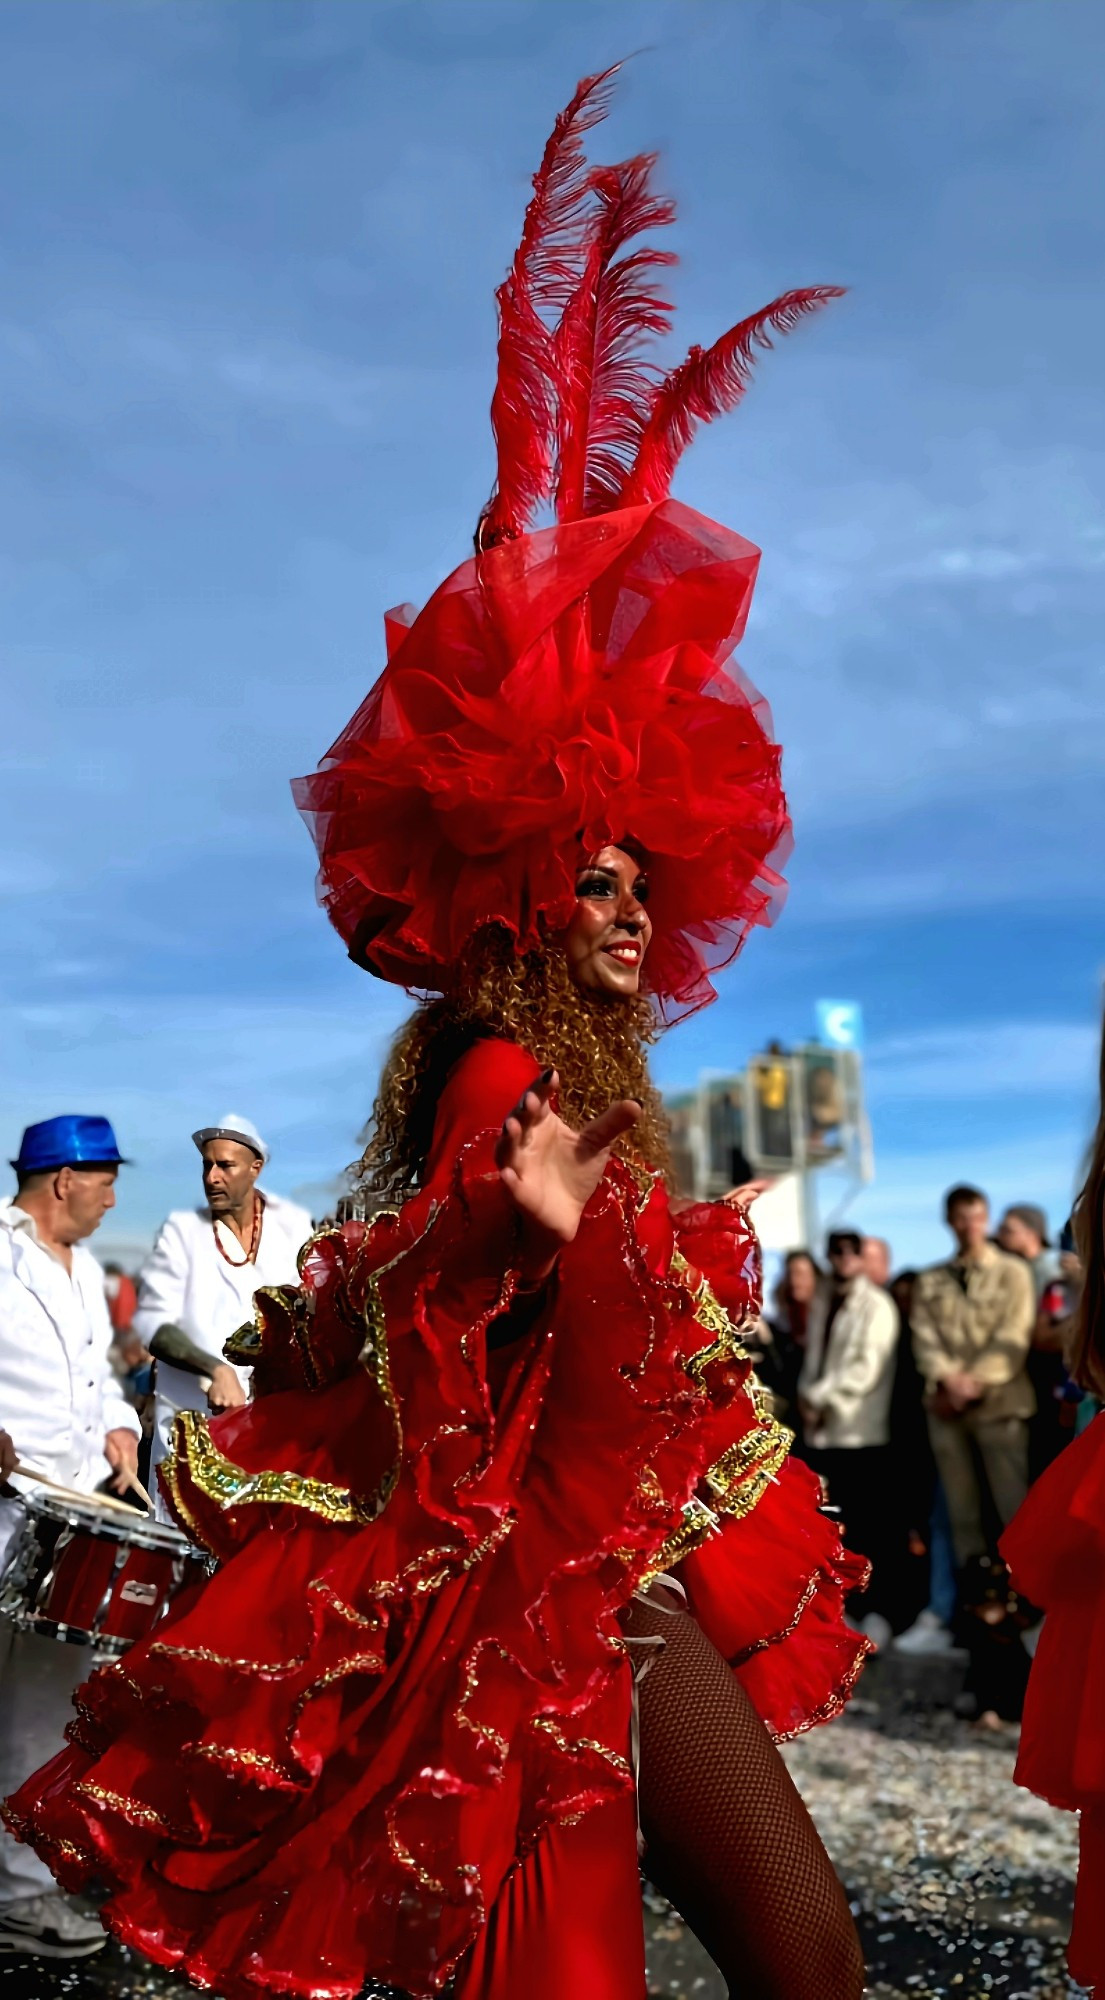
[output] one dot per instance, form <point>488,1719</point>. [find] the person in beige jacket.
<point>972,1320</point>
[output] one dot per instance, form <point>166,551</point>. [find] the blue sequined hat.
<point>70,1141</point>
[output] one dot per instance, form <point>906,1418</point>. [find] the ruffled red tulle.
<point>1055,1548</point>
<point>562,691</point>
<point>409,1666</point>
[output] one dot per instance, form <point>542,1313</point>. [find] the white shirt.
<point>58,1395</point>
<point>186,1282</point>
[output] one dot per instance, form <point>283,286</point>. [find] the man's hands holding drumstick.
<point>120,1450</point>
<point>551,1171</point>
<point>121,1453</point>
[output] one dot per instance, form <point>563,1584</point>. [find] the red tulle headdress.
<point>572,684</point>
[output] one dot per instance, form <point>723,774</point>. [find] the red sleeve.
<point>480,1090</point>
<point>720,1242</point>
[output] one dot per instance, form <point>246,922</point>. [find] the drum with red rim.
<point>81,1572</point>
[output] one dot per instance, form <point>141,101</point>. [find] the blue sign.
<point>840,1024</point>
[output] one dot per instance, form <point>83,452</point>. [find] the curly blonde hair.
<point>595,1041</point>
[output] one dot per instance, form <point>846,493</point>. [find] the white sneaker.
<point>49,1927</point>
<point>878,1629</point>
<point>928,1634</point>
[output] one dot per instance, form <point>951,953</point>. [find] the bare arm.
<point>171,1344</point>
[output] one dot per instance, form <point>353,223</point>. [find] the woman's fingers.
<point>531,1111</point>
<point>532,1107</point>
<point>743,1197</point>
<point>600,1134</point>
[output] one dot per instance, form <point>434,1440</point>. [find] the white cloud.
<point>982,1060</point>
<point>190,359</point>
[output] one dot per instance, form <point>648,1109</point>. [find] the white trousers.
<point>37,1680</point>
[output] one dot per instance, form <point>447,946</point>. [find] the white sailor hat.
<point>243,1130</point>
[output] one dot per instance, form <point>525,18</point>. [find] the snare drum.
<point>78,1572</point>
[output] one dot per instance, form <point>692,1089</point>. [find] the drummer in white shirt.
<point>68,1418</point>
<point>197,1286</point>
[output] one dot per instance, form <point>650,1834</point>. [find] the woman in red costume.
<point>504,1450</point>
<point>1055,1547</point>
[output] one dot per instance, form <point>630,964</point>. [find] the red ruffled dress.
<point>1055,1548</point>
<point>390,1738</point>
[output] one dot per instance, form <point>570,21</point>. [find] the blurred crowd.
<point>928,1401</point>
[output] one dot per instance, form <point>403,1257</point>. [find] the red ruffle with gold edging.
<point>1055,1548</point>
<point>325,1766</point>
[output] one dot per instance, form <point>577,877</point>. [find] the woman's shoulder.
<point>492,1063</point>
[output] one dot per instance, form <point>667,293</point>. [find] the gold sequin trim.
<point>228,1485</point>
<point>132,1811</point>
<point>407,1860</point>
<point>471,1677</point>
<point>357,1663</point>
<point>248,1760</point>
<point>582,1746</point>
<point>213,1659</point>
<point>834,1702</point>
<point>736,1483</point>
<point>374,1356</point>
<point>697,1523</point>
<point>366,1620</point>
<point>76,1734</point>
<point>738,1478</point>
<point>806,1598</point>
<point>290,1308</point>
<point>467,1872</point>
<point>726,1343</point>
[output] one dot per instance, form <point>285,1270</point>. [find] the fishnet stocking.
<point>729,1841</point>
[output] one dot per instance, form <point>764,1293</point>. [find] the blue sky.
<point>246,347</point>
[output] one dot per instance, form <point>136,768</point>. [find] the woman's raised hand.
<point>551,1171</point>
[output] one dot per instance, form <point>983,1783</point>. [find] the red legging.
<point>730,1843</point>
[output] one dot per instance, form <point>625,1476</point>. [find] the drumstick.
<point>136,1486</point>
<point>70,1492</point>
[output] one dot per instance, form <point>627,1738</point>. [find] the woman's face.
<point>802,1281</point>
<point>609,934</point>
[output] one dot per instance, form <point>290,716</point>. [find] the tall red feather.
<point>530,301</point>
<point>603,374</point>
<point>710,381</point>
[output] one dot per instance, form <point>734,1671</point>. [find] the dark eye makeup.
<point>599,884</point>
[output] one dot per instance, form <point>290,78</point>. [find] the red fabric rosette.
<point>572,688</point>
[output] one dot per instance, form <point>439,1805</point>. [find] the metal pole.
<point>807,1203</point>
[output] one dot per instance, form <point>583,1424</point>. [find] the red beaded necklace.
<point>239,1263</point>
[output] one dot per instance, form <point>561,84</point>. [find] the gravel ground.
<point>961,1884</point>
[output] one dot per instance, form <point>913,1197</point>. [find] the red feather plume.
<point>530,300</point>
<point>602,376</point>
<point>710,381</point>
<point>579,405</point>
